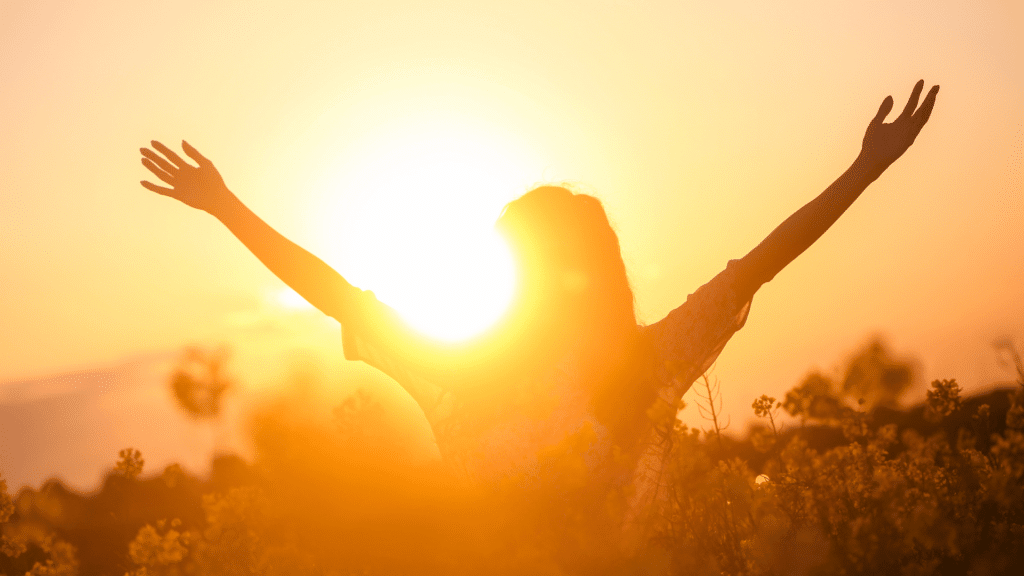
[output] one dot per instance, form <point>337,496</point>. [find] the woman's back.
<point>501,425</point>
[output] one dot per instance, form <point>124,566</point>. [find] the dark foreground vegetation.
<point>852,485</point>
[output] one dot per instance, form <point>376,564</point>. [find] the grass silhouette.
<point>843,489</point>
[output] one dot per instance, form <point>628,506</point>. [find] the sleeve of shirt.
<point>375,334</point>
<point>688,341</point>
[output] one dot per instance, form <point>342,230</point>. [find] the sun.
<point>412,217</point>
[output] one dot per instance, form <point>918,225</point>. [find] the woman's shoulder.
<point>691,336</point>
<point>719,300</point>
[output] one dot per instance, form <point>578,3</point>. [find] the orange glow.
<point>421,233</point>
<point>385,137</point>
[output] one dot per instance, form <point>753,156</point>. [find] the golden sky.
<point>701,125</point>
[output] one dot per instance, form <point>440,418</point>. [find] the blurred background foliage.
<point>839,478</point>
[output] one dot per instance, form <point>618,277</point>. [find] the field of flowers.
<point>849,482</point>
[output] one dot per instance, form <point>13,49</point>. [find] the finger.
<point>883,111</point>
<point>922,115</point>
<point>908,110</point>
<point>194,154</point>
<point>163,164</point>
<point>174,158</point>
<point>155,188</point>
<point>157,171</point>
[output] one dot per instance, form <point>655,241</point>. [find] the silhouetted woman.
<point>568,380</point>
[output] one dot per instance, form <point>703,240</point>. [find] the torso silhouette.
<point>551,415</point>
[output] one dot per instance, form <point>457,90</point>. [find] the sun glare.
<point>413,221</point>
<point>290,299</point>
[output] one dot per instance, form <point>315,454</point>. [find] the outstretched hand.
<point>200,187</point>
<point>884,143</point>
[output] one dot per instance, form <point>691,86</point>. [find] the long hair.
<point>569,260</point>
<point>574,294</point>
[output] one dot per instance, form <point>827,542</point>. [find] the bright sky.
<point>701,125</point>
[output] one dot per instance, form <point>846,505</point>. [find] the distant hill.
<point>71,426</point>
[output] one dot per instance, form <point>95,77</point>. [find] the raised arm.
<point>203,188</point>
<point>883,144</point>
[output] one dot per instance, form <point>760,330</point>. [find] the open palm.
<point>884,143</point>
<point>200,187</point>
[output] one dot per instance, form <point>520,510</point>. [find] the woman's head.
<point>574,292</point>
<point>570,265</point>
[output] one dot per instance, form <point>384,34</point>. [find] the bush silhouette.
<point>933,488</point>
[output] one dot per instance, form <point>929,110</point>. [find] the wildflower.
<point>763,406</point>
<point>943,400</point>
<point>130,464</point>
